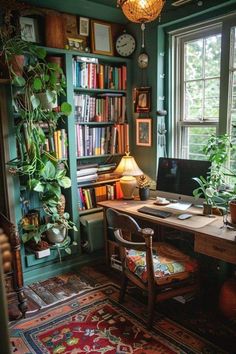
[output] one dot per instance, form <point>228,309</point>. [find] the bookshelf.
<point>110,131</point>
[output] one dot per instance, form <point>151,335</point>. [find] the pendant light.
<point>141,11</point>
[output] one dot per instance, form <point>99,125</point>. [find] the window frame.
<point>178,40</point>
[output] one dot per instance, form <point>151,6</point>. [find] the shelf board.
<point>4,81</point>
<point>97,90</point>
<point>97,156</point>
<point>91,184</point>
<point>89,211</point>
<point>97,123</point>
<point>87,55</point>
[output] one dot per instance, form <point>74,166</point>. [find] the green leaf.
<point>66,108</point>
<point>40,52</point>
<point>39,187</point>
<point>37,84</point>
<point>68,250</point>
<point>18,81</point>
<point>51,96</point>
<point>34,101</point>
<point>65,182</point>
<point>48,171</point>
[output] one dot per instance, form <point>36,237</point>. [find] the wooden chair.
<point>159,268</point>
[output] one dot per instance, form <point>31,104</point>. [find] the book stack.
<point>87,173</point>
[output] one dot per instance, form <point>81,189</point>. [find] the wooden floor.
<point>45,293</point>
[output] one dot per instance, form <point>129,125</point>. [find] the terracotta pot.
<point>54,31</point>
<point>232,208</point>
<point>17,64</point>
<point>227,298</point>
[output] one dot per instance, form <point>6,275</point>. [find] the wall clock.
<point>143,60</point>
<point>125,45</point>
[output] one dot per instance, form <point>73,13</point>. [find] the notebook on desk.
<point>179,206</point>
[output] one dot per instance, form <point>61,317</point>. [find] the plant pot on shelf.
<point>17,64</point>
<point>232,209</point>
<point>57,233</point>
<point>144,193</point>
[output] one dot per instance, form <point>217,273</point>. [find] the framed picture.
<point>142,101</point>
<point>84,26</point>
<point>29,29</point>
<point>101,38</point>
<point>143,131</point>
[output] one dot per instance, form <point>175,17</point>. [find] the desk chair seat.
<point>166,268</point>
<point>159,268</point>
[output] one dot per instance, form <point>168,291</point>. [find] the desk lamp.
<point>128,168</point>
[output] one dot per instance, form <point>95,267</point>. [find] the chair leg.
<point>123,288</point>
<point>151,305</point>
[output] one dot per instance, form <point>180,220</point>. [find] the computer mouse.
<point>184,216</point>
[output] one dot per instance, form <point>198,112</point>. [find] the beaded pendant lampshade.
<point>141,11</point>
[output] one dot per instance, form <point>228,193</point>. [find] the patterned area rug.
<point>94,322</point>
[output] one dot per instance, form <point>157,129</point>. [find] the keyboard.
<point>155,212</point>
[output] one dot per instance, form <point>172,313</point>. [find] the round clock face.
<point>143,60</point>
<point>125,45</point>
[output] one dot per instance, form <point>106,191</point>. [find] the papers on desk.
<point>179,206</point>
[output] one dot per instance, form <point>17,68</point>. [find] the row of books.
<point>89,197</point>
<point>57,143</point>
<point>105,107</point>
<point>94,172</point>
<point>98,76</point>
<point>102,140</point>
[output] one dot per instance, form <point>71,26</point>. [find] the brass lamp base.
<point>128,184</point>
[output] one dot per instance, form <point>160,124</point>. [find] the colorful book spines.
<point>58,144</point>
<point>98,76</point>
<point>97,141</point>
<point>89,197</point>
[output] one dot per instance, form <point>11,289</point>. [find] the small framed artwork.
<point>29,29</point>
<point>143,131</point>
<point>142,101</point>
<point>84,26</point>
<point>101,38</point>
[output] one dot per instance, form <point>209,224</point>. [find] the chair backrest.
<point>124,228</point>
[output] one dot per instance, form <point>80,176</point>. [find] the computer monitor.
<point>175,178</point>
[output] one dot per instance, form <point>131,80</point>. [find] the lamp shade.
<point>141,11</point>
<point>128,167</point>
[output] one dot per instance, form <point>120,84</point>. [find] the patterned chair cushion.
<point>166,269</point>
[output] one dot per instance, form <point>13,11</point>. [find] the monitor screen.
<point>175,177</point>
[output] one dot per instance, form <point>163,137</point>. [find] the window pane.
<point>194,100</point>
<point>212,96</point>
<point>212,56</point>
<point>196,138</point>
<point>194,60</point>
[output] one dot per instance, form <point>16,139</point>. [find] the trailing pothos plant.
<point>43,173</point>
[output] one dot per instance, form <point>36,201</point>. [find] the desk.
<point>211,239</point>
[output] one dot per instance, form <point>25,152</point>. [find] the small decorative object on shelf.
<point>143,183</point>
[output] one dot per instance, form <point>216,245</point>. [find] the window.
<point>197,100</point>
<point>232,99</point>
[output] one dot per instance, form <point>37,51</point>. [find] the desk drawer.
<point>215,247</point>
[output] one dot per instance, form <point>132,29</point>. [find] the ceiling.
<point>107,9</point>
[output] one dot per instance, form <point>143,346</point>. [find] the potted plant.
<point>143,184</point>
<point>43,173</point>
<point>217,150</point>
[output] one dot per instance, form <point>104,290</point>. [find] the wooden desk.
<point>210,237</point>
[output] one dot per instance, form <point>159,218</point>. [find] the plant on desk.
<point>215,188</point>
<point>143,184</point>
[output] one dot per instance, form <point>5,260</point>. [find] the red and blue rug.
<point>94,322</point>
